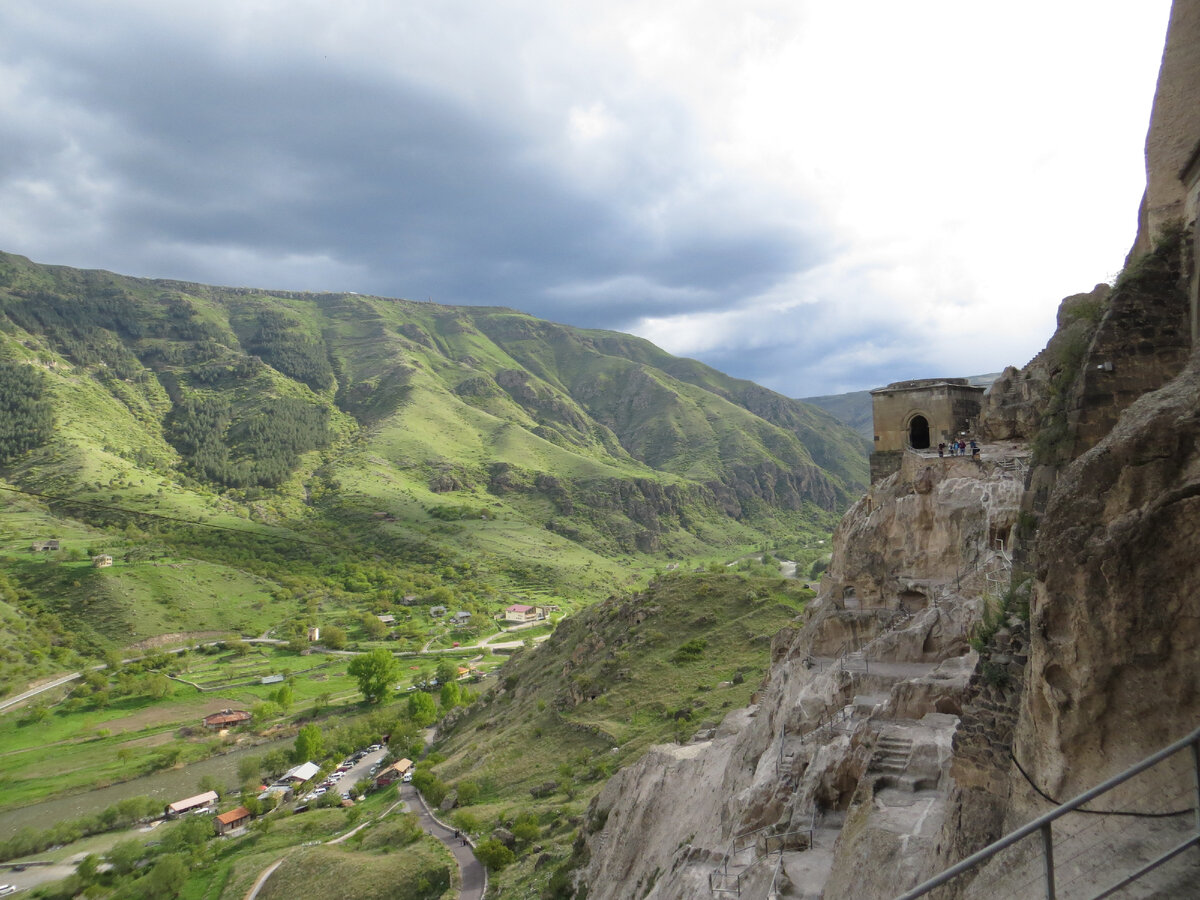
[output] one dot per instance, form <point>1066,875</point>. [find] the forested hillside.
<point>330,456</point>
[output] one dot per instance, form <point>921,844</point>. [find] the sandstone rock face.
<point>1115,630</point>
<point>931,524</point>
<point>847,751</point>
<point>1142,342</point>
<point>1016,403</point>
<point>1174,121</point>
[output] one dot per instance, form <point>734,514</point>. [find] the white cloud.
<point>875,184</point>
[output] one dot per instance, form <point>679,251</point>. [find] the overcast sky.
<point>819,195</point>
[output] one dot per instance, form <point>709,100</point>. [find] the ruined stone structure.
<point>918,415</point>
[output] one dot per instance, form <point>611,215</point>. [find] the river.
<point>168,786</point>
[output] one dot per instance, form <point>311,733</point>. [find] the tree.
<point>375,672</point>
<point>283,697</point>
<point>494,854</point>
<point>123,856</point>
<point>421,709</point>
<point>248,768</point>
<point>333,637</point>
<point>262,712</point>
<point>166,879</point>
<point>374,628</point>
<point>310,743</point>
<point>157,686</point>
<point>446,672</point>
<point>450,697</point>
<point>88,868</point>
<point>468,792</point>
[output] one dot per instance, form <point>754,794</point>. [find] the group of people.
<point>959,447</point>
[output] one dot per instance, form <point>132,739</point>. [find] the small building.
<point>314,634</point>
<point>281,792</point>
<point>521,612</point>
<point>300,774</point>
<point>103,561</point>
<point>271,679</point>
<point>462,617</point>
<point>387,619</point>
<point>201,802</point>
<point>227,718</point>
<point>437,611</point>
<point>232,820</point>
<point>43,546</point>
<point>918,415</point>
<point>393,773</point>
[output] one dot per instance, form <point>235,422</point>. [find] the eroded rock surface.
<point>849,746</point>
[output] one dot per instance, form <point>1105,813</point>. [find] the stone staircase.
<point>891,757</point>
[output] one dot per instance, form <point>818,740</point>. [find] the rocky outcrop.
<point>1115,634</point>
<point>847,750</point>
<point>1174,125</point>
<point>930,525</point>
<point>1142,342</point>
<point>1015,406</point>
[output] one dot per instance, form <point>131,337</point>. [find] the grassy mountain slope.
<point>363,454</point>
<point>617,678</point>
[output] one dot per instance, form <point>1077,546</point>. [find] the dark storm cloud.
<point>203,150</point>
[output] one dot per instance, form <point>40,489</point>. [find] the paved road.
<point>473,878</point>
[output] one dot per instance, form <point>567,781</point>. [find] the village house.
<point>462,617</point>
<point>314,634</point>
<point>395,772</point>
<point>437,611</point>
<point>387,619</point>
<point>43,546</point>
<point>103,561</point>
<point>520,612</point>
<point>227,718</point>
<point>281,792</point>
<point>232,820</point>
<point>199,803</point>
<point>300,774</point>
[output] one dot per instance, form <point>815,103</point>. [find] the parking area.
<point>360,765</point>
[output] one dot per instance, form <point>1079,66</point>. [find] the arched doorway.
<point>918,433</point>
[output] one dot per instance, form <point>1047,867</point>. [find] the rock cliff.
<point>847,751</point>
<point>932,698</point>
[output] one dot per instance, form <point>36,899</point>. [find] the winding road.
<point>474,876</point>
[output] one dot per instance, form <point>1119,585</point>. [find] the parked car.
<point>6,889</point>
<point>407,776</point>
<point>319,791</point>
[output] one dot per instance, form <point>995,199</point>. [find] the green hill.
<point>339,454</point>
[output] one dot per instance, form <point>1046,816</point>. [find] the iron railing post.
<point>1196,761</point>
<point>1048,854</point>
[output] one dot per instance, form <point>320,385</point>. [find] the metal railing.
<point>1042,826</point>
<point>723,881</point>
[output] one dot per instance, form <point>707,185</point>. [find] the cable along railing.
<point>1042,826</point>
<point>761,843</point>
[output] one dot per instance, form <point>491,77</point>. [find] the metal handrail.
<point>1042,824</point>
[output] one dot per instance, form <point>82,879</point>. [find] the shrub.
<point>494,854</point>
<point>690,651</point>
